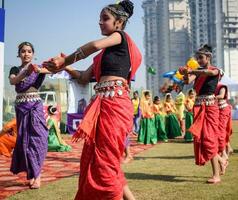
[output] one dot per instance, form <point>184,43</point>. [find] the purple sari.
<point>32,144</point>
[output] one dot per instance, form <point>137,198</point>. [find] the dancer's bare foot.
<point>223,167</point>
<point>31,181</point>
<point>230,151</point>
<point>214,180</point>
<point>36,184</point>
<point>127,159</point>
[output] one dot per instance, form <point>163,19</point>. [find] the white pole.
<point>2,21</point>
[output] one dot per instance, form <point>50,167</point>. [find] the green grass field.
<point>166,171</point>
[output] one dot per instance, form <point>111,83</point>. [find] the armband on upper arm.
<point>79,54</point>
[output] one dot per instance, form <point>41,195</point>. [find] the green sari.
<point>161,129</point>
<point>55,142</point>
<point>188,121</point>
<point>172,126</point>
<point>147,133</point>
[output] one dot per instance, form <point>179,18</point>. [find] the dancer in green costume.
<point>158,110</point>
<point>172,124</point>
<point>147,133</point>
<point>55,141</point>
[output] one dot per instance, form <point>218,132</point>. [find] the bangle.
<point>79,54</point>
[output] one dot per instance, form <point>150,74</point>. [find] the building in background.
<point>175,29</point>
<point>151,42</point>
<point>207,27</point>
<point>166,39</point>
<point>230,27</point>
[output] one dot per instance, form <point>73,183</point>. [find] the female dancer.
<point>206,111</point>
<point>158,110</point>
<point>31,145</point>
<point>189,103</point>
<point>225,124</point>
<point>147,133</point>
<point>109,117</point>
<point>55,141</point>
<point>171,122</point>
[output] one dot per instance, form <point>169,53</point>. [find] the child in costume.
<point>189,103</point>
<point>109,117</point>
<point>158,110</point>
<point>55,141</point>
<point>32,133</point>
<point>147,133</point>
<point>8,137</point>
<point>171,122</point>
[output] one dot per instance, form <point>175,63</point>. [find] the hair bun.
<point>207,47</point>
<point>128,6</point>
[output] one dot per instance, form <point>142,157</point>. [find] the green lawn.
<point>166,171</point>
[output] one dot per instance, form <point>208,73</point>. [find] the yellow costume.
<point>179,104</point>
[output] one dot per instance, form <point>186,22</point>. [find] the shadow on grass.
<point>10,183</point>
<point>165,157</point>
<point>167,178</point>
<point>179,141</point>
<point>62,159</point>
<point>235,151</point>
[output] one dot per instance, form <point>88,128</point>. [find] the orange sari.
<point>8,138</point>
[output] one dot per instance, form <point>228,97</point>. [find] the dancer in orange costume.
<point>8,137</point>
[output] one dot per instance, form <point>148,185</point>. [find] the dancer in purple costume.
<point>31,146</point>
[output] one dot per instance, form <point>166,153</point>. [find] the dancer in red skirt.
<point>225,123</point>
<point>206,111</point>
<point>109,117</point>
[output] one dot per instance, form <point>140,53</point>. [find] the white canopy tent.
<point>231,84</point>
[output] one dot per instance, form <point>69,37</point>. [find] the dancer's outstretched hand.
<point>55,64</point>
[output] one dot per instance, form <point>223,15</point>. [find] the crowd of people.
<point>203,116</point>
<point>162,119</point>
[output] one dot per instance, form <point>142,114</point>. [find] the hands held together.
<point>55,64</point>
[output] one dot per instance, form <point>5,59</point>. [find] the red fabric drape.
<point>224,127</point>
<point>105,126</point>
<point>204,130</point>
<point>229,126</point>
<point>225,121</point>
<point>205,127</point>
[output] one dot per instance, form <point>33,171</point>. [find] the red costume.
<point>225,121</point>
<point>105,126</point>
<point>205,125</point>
